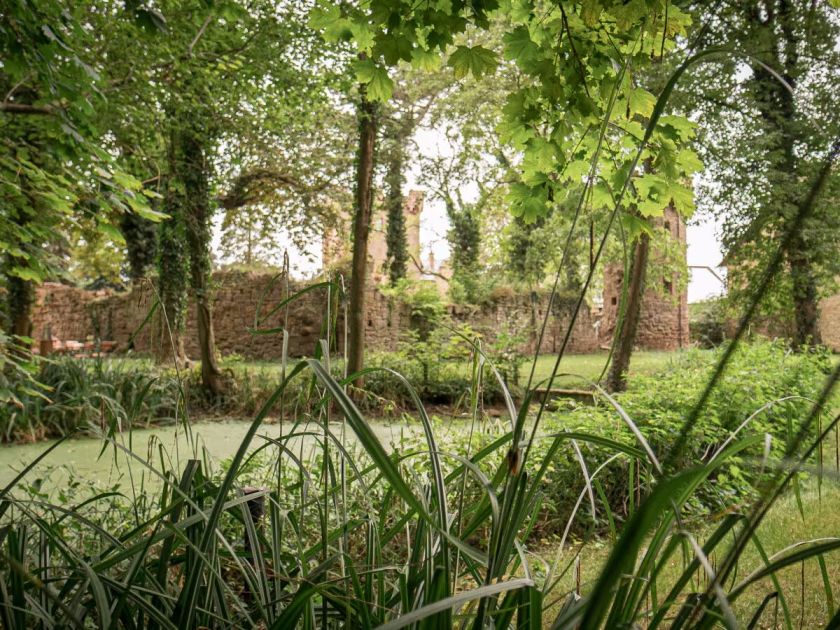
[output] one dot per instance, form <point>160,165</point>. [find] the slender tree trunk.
<point>192,171</point>
<point>141,244</point>
<point>172,274</point>
<point>21,297</point>
<point>361,229</point>
<point>778,108</point>
<point>617,377</point>
<point>397,255</point>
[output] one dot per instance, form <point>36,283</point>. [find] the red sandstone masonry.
<point>77,314</point>
<point>663,324</point>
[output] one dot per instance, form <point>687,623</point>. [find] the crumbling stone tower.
<point>663,322</point>
<point>337,246</point>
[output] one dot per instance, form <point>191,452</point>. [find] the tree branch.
<point>22,108</point>
<point>256,185</point>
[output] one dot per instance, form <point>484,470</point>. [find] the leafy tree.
<point>53,168</point>
<point>766,121</point>
<point>384,36</point>
<point>209,79</point>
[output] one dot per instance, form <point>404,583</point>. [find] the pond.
<point>84,458</point>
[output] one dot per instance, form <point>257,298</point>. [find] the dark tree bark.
<point>626,333</point>
<point>805,296</point>
<point>191,167</point>
<point>778,109</point>
<point>367,113</point>
<point>21,297</point>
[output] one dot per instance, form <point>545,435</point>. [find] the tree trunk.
<point>805,297</point>
<point>141,243</point>
<point>626,333</point>
<point>778,108</point>
<point>172,275</point>
<point>21,297</point>
<point>397,255</point>
<point>191,168</point>
<point>361,229</point>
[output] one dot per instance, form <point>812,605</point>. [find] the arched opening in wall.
<point>370,323</point>
<point>668,225</point>
<point>668,286</point>
<point>614,300</point>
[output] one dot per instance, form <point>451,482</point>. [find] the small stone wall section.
<point>830,322</point>
<point>521,315</point>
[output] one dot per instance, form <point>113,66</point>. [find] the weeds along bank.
<point>352,536</point>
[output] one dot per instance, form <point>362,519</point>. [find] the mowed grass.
<point>802,585</point>
<point>590,366</point>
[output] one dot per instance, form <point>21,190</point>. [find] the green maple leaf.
<point>379,85</point>
<point>642,102</point>
<point>326,19</point>
<point>683,199</point>
<point>477,60</point>
<point>528,202</point>
<point>680,125</point>
<point>427,60</point>
<point>688,161</point>
<point>363,37</point>
<point>394,48</point>
<point>513,132</point>
<point>519,46</point>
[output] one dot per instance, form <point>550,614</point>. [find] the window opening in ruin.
<point>668,225</point>
<point>614,300</point>
<point>669,287</point>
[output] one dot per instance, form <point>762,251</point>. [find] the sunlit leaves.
<point>642,102</point>
<point>326,18</point>
<point>657,192</point>
<point>476,60</point>
<point>528,202</point>
<point>378,84</point>
<point>427,60</point>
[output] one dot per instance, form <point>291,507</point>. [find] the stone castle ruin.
<point>69,313</point>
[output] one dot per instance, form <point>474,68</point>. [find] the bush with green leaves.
<point>82,395</point>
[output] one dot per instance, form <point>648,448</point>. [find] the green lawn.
<point>590,366</point>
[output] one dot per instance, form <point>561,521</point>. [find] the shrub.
<point>80,395</point>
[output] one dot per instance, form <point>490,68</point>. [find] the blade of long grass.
<point>455,601</point>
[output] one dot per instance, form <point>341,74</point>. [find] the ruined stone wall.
<point>522,314</point>
<point>63,311</point>
<point>76,314</point>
